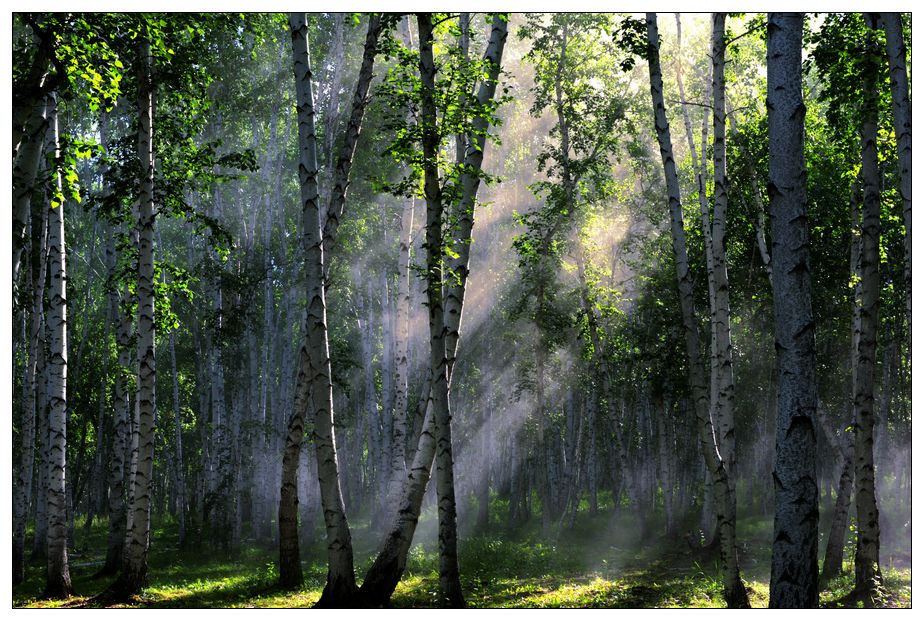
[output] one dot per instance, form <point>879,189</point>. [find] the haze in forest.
<point>485,310</point>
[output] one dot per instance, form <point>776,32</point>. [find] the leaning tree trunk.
<point>901,110</point>
<point>794,565</point>
<point>314,389</point>
<point>382,578</point>
<point>341,580</point>
<point>58,579</point>
<point>137,539</point>
<point>450,584</point>
<point>868,573</point>
<point>735,594</point>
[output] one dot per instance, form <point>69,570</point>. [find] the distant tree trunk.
<point>178,448</point>
<point>794,565</point>
<point>399,438</point>
<point>665,450</point>
<point>135,559</point>
<point>868,573</point>
<point>484,478</point>
<point>834,550</point>
<point>58,579</point>
<point>40,537</point>
<point>901,111</point>
<point>735,595</point>
<point>386,571</point>
<point>388,392</point>
<point>313,385</point>
<point>23,491</point>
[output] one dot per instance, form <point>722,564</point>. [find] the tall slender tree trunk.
<point>901,111</point>
<point>382,578</point>
<point>40,536</point>
<point>315,369</point>
<point>735,594</point>
<point>58,578</point>
<point>794,565</point>
<point>724,383</point>
<point>180,471</point>
<point>135,557</point>
<point>450,584</point>
<point>399,438</point>
<point>118,473</point>
<point>314,389</point>
<point>23,490</point>
<point>868,572</point>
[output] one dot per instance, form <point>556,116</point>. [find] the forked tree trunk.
<point>735,595</point>
<point>58,578</point>
<point>794,565</point>
<point>389,565</point>
<point>450,584</point>
<point>313,385</point>
<point>341,582</point>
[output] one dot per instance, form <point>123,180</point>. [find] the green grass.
<point>599,564</point>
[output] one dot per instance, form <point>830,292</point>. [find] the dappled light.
<point>485,310</point>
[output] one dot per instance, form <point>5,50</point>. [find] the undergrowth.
<point>600,563</point>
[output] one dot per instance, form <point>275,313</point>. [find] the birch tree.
<point>58,579</point>
<point>386,571</point>
<point>450,584</point>
<point>313,387</point>
<point>735,595</point>
<point>867,571</point>
<point>901,112</point>
<point>794,566</point>
<point>22,494</point>
<point>133,575</point>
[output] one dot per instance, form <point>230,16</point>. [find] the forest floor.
<point>598,564</point>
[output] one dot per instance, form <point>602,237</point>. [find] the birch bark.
<point>794,565</point>
<point>58,579</point>
<point>735,595</point>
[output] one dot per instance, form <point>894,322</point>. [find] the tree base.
<point>737,596</point>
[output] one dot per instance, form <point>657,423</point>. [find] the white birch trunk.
<point>314,369</point>
<point>23,490</point>
<point>735,595</point>
<point>382,578</point>
<point>58,579</point>
<point>134,568</point>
